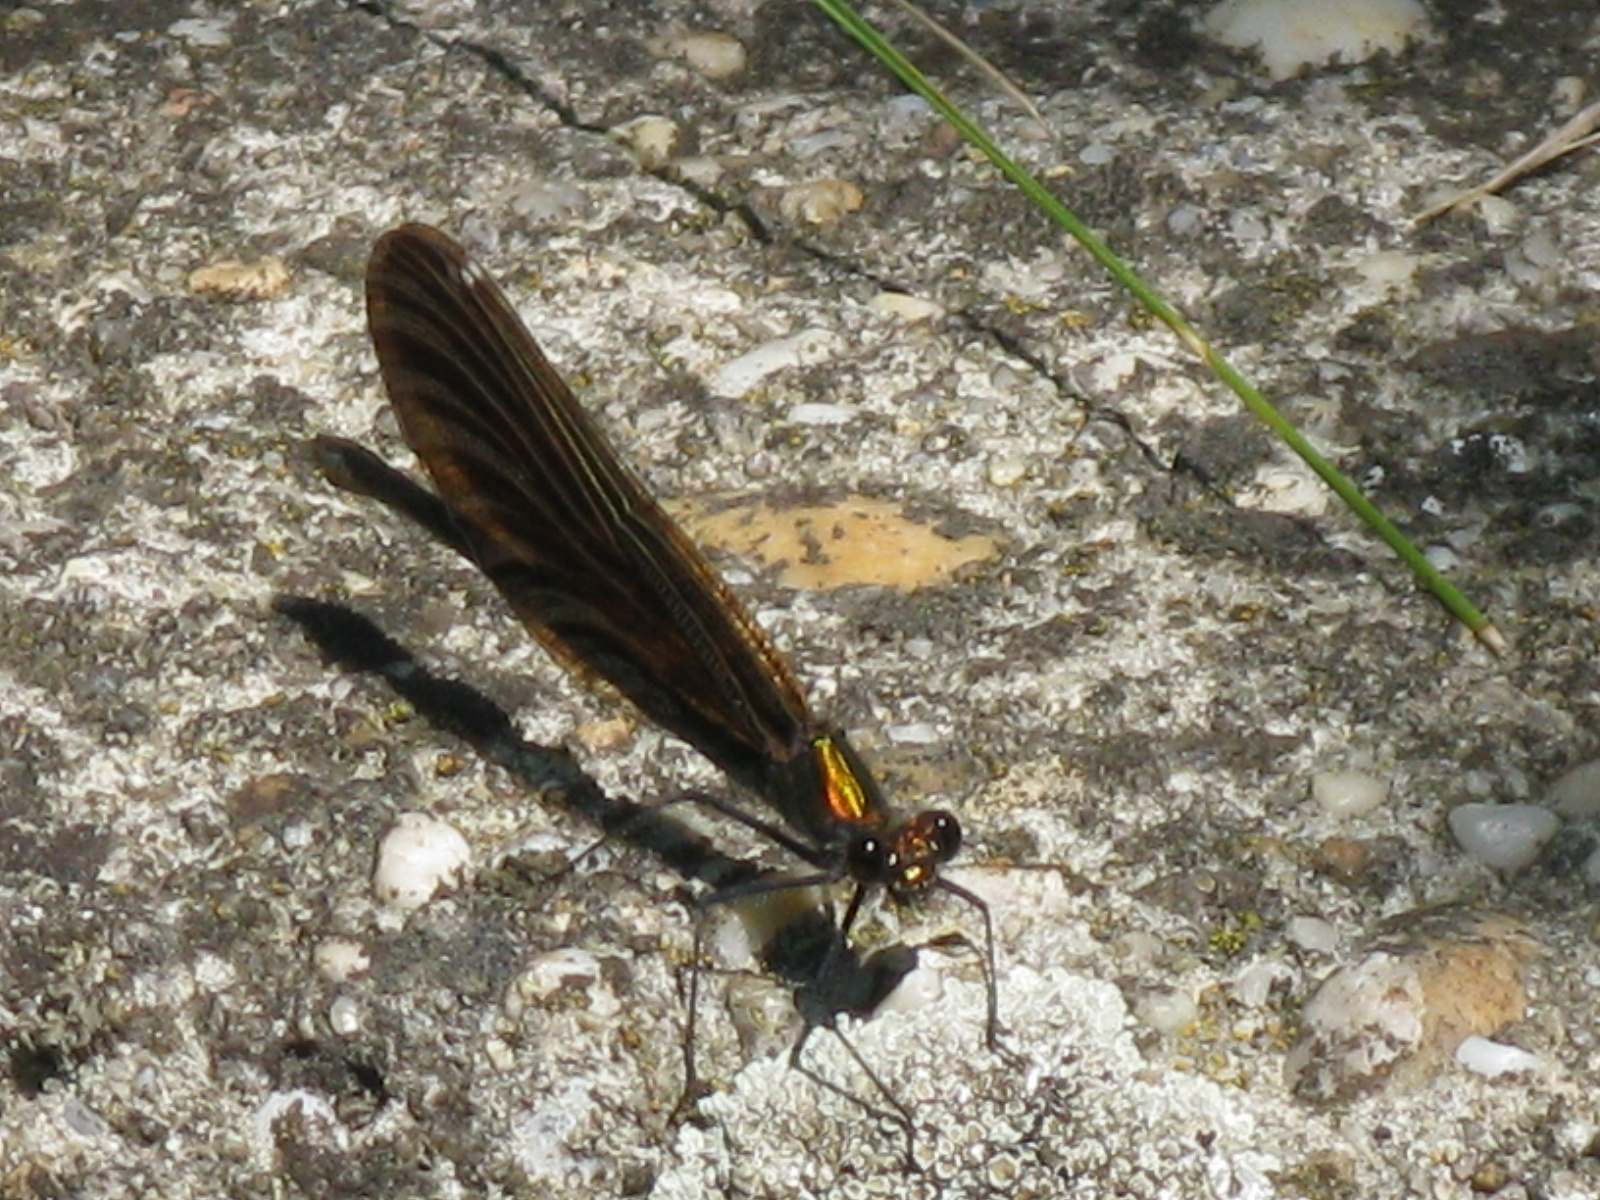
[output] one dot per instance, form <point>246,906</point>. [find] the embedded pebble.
<point>1499,215</point>
<point>1442,558</point>
<point>1493,1059</point>
<point>705,172</point>
<point>340,959</point>
<point>540,200</point>
<point>1313,934</point>
<point>1293,34</point>
<point>1506,837</point>
<point>262,279</point>
<point>1169,1013</point>
<point>821,202</point>
<point>568,968</point>
<point>858,540</point>
<point>1184,220</point>
<point>651,140</point>
<point>1258,983</point>
<point>817,413</point>
<point>211,33</point>
<point>344,1016</point>
<point>914,733</point>
<point>1576,795</point>
<point>711,55</point>
<point>1389,270</point>
<point>742,375</point>
<point>419,855</point>
<point>1348,793</point>
<point>1428,981</point>
<point>817,143</point>
<point>82,1119</point>
<point>908,308</point>
<point>1591,867</point>
<point>1007,470</point>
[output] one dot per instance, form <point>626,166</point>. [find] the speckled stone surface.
<point>1126,703</point>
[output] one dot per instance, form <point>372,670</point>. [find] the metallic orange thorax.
<point>843,790</point>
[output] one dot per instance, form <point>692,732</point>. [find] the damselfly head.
<point>905,859</point>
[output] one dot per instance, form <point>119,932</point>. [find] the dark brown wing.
<point>588,560</point>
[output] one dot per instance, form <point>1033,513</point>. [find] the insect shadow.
<point>827,975</point>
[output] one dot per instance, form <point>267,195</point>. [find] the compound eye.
<point>870,859</point>
<point>941,833</point>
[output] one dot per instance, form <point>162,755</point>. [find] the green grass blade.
<point>1429,576</point>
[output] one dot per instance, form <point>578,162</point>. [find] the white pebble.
<point>1313,934</point>
<point>697,169</point>
<point>1507,837</point>
<point>1499,215</point>
<point>906,107</point>
<point>652,139</point>
<point>1348,793</point>
<point>712,55</point>
<point>1442,558</point>
<point>344,1016</point>
<point>742,375</point>
<point>339,959</point>
<point>544,199</point>
<point>211,33</point>
<point>910,309</point>
<point>558,969</point>
<point>1258,982</point>
<point>1247,228</point>
<point>1577,793</point>
<point>1169,1013</point>
<point>1292,34</point>
<point>1007,470</point>
<point>818,413</point>
<point>1484,1057</point>
<point>419,856</point>
<point>920,988</point>
<point>914,733</point>
<point>1184,220</point>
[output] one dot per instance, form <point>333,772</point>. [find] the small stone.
<point>711,55</point>
<point>741,376</point>
<point>1348,793</point>
<point>821,202</point>
<point>910,309</point>
<point>1291,35</point>
<point>1259,982</point>
<point>559,970</point>
<point>1313,934</point>
<point>650,139</point>
<point>542,200</point>
<point>344,1016</point>
<point>1576,795</point>
<point>1007,470</point>
<point>419,856</point>
<point>1169,1013</point>
<point>1344,858</point>
<point>340,959</point>
<point>1428,981</point>
<point>699,170</point>
<point>1506,837</point>
<point>1493,1059</point>
<point>262,279</point>
<point>817,413</point>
